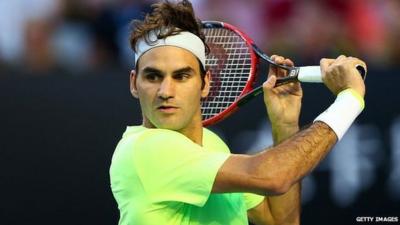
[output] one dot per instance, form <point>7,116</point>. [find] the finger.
<point>284,72</point>
<point>272,68</point>
<point>269,83</point>
<point>272,71</point>
<point>280,61</point>
<point>359,65</point>
<point>288,62</point>
<point>358,62</point>
<point>341,57</point>
<point>325,63</point>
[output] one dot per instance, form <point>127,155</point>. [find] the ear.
<point>206,89</point>
<point>133,84</point>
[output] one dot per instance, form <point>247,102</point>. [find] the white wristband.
<point>342,113</point>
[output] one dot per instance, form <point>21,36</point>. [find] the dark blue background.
<point>58,133</point>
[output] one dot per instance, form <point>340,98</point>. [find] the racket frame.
<point>249,92</point>
<point>252,74</point>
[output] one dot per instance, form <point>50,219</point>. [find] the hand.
<point>341,73</point>
<point>284,102</point>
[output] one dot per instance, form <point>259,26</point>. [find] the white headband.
<point>184,39</point>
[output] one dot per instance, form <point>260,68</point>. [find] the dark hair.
<point>168,19</point>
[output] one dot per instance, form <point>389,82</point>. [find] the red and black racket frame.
<point>248,91</point>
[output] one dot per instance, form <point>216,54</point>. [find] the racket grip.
<point>310,74</point>
<point>313,74</point>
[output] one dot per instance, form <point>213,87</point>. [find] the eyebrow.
<point>151,70</point>
<point>187,69</point>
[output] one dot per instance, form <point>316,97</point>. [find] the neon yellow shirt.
<point>160,176</point>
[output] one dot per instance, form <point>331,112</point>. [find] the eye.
<point>152,77</point>
<point>182,76</point>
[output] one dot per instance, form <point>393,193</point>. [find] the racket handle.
<point>312,74</point>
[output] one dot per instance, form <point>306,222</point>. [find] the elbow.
<point>273,185</point>
<point>277,186</point>
<point>270,178</point>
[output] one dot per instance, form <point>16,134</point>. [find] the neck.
<point>194,131</point>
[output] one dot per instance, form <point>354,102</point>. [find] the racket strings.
<point>230,64</point>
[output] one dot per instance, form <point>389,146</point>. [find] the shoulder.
<point>142,134</point>
<point>149,141</point>
<point>213,142</point>
<point>210,135</point>
<point>137,139</point>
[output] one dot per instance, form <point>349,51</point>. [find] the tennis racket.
<point>233,62</point>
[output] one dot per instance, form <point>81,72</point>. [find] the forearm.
<point>285,209</point>
<point>285,164</point>
<point>281,133</point>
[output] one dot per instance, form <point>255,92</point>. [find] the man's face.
<point>169,87</point>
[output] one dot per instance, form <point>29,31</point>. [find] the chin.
<point>169,126</point>
<point>175,123</point>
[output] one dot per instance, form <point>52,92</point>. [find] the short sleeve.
<point>252,200</point>
<point>173,168</point>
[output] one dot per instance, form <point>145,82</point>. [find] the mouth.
<point>167,108</point>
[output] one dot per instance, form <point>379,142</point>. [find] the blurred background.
<point>65,102</point>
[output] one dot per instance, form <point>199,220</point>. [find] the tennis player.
<point>171,170</point>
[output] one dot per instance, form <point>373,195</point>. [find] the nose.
<point>167,89</point>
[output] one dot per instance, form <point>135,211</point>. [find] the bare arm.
<point>275,170</point>
<point>283,209</point>
<point>278,170</point>
<point>283,106</point>
<point>286,208</point>
<point>279,209</point>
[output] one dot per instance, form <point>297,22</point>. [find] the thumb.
<point>269,83</point>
